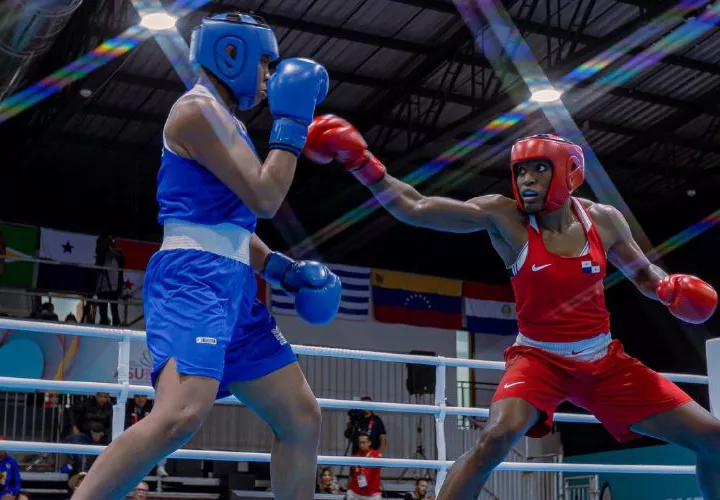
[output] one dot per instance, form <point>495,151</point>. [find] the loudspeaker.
<point>420,378</point>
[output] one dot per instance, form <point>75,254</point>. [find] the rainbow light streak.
<point>76,70</point>
<point>511,118</point>
<point>81,67</point>
<point>672,243</point>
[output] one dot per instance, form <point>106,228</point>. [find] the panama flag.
<point>70,249</point>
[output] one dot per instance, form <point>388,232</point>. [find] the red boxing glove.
<point>688,298</point>
<point>333,138</point>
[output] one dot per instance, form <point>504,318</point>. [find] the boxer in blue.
<point>208,334</point>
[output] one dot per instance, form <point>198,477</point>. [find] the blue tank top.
<point>188,191</point>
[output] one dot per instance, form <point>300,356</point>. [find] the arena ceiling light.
<point>158,21</point>
<point>545,95</point>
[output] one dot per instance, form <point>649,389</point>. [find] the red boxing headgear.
<point>568,167</point>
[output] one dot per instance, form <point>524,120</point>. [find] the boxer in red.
<point>556,248</point>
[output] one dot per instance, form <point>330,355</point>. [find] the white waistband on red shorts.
<point>590,349</point>
<point>226,240</point>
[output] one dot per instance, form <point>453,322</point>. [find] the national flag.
<point>137,253</point>
<point>17,242</point>
<point>418,300</point>
<point>71,249</point>
<point>489,309</point>
<point>132,286</point>
<point>355,301</point>
<point>590,267</point>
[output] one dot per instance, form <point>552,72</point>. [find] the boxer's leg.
<point>509,420</point>
<point>692,427</point>
<point>631,399</point>
<point>186,297</point>
<point>524,402</point>
<point>261,370</point>
<point>181,404</point>
<point>285,401</point>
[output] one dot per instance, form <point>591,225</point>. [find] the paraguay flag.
<point>489,309</point>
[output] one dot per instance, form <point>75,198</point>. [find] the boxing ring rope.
<point>439,410</point>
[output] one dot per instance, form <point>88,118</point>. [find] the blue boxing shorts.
<point>201,309</point>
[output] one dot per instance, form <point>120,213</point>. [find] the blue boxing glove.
<point>316,289</point>
<point>296,87</point>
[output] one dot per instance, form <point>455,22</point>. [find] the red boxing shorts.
<point>618,389</point>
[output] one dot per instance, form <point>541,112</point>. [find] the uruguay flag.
<point>489,309</point>
<point>355,301</point>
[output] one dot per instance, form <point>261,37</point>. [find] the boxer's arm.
<point>206,132</point>
<point>626,255</point>
<point>259,252</point>
<point>406,204</point>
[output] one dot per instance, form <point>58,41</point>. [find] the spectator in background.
<point>364,483</point>
<point>109,282</point>
<point>140,492</point>
<point>327,482</point>
<point>420,493</point>
<point>70,318</point>
<point>95,409</point>
<point>47,312</point>
<point>81,463</point>
<point>136,409</point>
<point>366,422</point>
<point>9,476</point>
<point>75,481</point>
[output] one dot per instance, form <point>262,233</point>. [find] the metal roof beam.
<point>380,83</point>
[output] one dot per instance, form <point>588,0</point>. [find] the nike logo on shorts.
<point>535,267</point>
<point>508,386</point>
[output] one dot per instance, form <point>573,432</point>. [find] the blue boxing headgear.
<point>250,38</point>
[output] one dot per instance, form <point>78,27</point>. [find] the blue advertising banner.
<point>647,486</point>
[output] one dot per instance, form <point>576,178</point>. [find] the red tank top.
<point>561,299</point>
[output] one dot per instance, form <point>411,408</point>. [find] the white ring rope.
<point>136,335</point>
<point>439,409</point>
<point>33,447</point>
<point>341,404</point>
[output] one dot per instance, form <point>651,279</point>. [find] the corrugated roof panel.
<point>289,8</point>
<point>387,62</point>
<point>663,79</point>
<point>698,126</point>
<point>430,27</point>
<point>140,133</point>
<point>348,95</point>
<point>707,51</point>
<point>124,96</point>
<point>451,113</point>
<point>342,55</point>
<point>627,112</point>
<point>605,142</point>
<point>159,101</point>
<point>97,126</point>
<point>380,17</point>
<point>149,60</point>
<point>697,87</point>
<point>607,16</point>
<point>329,12</point>
<point>295,43</point>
